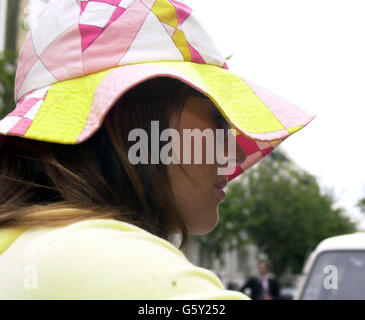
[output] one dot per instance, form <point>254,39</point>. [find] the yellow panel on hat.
<point>181,42</point>
<point>64,112</point>
<point>276,143</point>
<point>166,12</point>
<point>294,129</point>
<point>233,97</point>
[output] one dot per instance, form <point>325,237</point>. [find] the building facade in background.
<point>237,265</point>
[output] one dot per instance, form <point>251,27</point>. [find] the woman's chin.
<point>206,226</point>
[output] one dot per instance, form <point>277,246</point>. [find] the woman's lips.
<point>219,187</point>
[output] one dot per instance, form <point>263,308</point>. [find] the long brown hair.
<point>48,184</point>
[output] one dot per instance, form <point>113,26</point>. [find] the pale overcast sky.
<point>310,52</point>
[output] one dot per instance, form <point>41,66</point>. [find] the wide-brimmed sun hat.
<point>81,56</point>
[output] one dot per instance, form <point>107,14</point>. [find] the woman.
<point>79,217</point>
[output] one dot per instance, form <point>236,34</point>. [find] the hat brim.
<point>71,111</point>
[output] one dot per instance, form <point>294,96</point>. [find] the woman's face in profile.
<point>198,200</point>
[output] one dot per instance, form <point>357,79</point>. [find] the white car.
<point>335,270</point>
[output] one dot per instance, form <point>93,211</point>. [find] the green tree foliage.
<point>361,205</point>
<point>281,209</point>
<point>7,78</point>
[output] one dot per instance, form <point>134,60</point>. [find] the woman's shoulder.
<point>106,259</point>
<point>89,232</point>
<point>96,231</point>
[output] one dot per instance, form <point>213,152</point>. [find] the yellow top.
<point>100,259</point>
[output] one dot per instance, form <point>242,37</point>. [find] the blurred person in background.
<point>263,287</point>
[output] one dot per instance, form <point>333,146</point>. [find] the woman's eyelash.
<point>221,122</point>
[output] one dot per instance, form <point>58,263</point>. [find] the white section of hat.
<point>97,14</point>
<point>39,93</point>
<point>53,22</point>
<point>37,77</point>
<point>33,110</point>
<point>152,43</point>
<point>7,123</point>
<point>36,7</point>
<point>125,3</point>
<point>201,41</point>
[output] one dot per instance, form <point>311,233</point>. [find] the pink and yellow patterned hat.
<point>82,55</point>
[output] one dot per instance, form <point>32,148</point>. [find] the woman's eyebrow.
<point>220,120</point>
